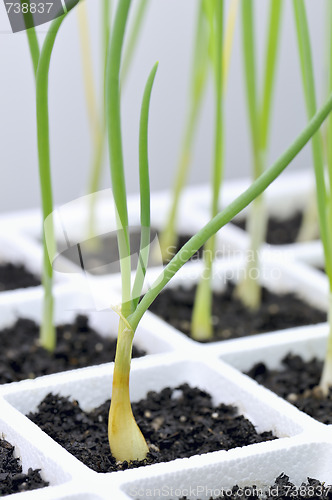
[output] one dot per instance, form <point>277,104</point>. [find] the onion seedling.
<point>131,44</point>
<point>323,183</point>
<point>32,40</point>
<point>309,228</point>
<point>168,237</point>
<point>125,438</point>
<point>201,326</point>
<point>97,119</point>
<point>249,290</point>
<point>41,63</point>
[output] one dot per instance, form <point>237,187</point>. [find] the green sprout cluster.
<point>126,439</point>
<point>41,63</point>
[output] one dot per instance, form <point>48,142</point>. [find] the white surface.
<point>288,194</point>
<point>307,341</point>
<point>299,460</point>
<point>91,387</point>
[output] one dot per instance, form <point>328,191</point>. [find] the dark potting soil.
<point>14,276</point>
<point>101,251</point>
<point>297,382</point>
<point>279,231</point>
<point>12,480</point>
<point>282,489</point>
<point>231,319</point>
<point>104,252</point>
<point>78,346</point>
<point>176,423</point>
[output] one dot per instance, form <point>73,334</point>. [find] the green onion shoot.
<point>323,182</point>
<point>125,438</point>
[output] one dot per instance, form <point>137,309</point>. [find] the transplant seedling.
<point>249,290</point>
<point>201,327</point>
<point>199,73</point>
<point>125,438</point>
<point>309,229</point>
<point>41,63</point>
<point>97,119</point>
<point>323,182</point>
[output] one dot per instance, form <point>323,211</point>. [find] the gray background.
<point>167,37</point>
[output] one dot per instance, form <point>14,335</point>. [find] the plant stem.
<point>32,39</point>
<point>250,80</point>
<point>144,190</point>
<point>326,378</point>
<point>130,48</point>
<point>228,40</point>
<point>87,64</point>
<point>270,70</point>
<point>100,131</point>
<point>34,48</point>
<point>310,98</point>
<point>125,438</point>
<point>94,182</point>
<point>47,331</point>
<point>201,327</point>
<point>168,237</point>
<point>249,290</point>
<point>309,229</point>
<point>329,120</point>
<point>257,187</point>
<point>115,144</point>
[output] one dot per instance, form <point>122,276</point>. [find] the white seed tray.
<point>299,459</point>
<point>17,249</point>
<point>70,224</point>
<point>91,387</point>
<point>69,303</point>
<point>305,447</point>
<point>207,475</point>
<point>308,342</point>
<point>288,194</point>
<point>277,273</point>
